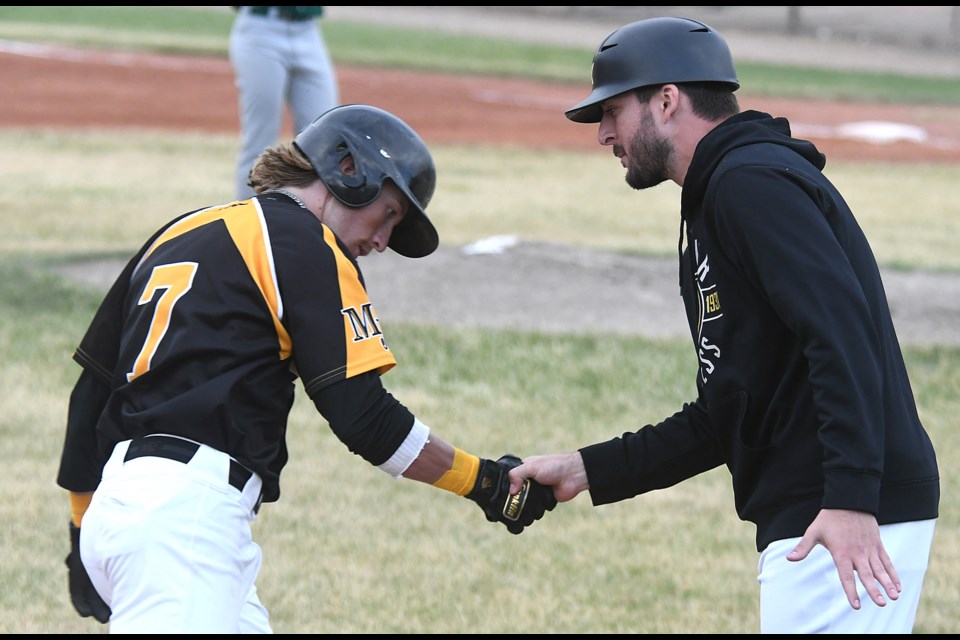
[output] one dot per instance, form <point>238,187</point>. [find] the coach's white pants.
<point>807,597</point>
<point>169,548</point>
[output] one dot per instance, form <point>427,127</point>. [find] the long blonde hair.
<point>281,166</point>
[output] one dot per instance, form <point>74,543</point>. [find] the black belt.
<point>181,451</point>
<point>284,13</point>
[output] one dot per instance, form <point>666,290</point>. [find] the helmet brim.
<point>415,236</point>
<point>588,110</point>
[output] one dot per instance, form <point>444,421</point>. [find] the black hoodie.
<point>802,389</point>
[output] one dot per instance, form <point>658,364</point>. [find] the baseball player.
<point>279,57</point>
<point>802,391</point>
<point>176,426</point>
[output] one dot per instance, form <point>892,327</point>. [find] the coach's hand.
<point>492,492</point>
<point>85,598</point>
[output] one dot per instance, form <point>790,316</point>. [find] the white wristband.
<point>408,451</point>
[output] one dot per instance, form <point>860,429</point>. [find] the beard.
<point>649,155</point>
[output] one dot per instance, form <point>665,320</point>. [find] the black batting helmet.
<point>652,52</point>
<point>382,147</point>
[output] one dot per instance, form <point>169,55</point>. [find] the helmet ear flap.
<point>335,159</point>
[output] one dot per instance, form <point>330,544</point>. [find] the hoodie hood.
<point>745,128</point>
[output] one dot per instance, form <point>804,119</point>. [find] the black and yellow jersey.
<point>205,332</point>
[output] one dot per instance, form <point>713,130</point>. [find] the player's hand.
<point>565,473</point>
<point>85,598</point>
<point>492,492</point>
<point>853,539</point>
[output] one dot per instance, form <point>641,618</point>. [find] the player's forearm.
<point>80,463</point>
<point>371,429</point>
<point>435,459</point>
<point>427,458</point>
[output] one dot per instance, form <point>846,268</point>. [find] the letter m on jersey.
<point>365,325</point>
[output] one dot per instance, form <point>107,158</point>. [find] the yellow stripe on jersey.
<point>247,228</point>
<point>365,344</point>
<point>249,232</point>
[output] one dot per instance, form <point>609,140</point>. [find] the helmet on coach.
<point>383,147</point>
<point>655,51</point>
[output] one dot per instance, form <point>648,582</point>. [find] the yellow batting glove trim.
<point>460,477</point>
<point>79,502</point>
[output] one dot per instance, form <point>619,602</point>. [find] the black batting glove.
<point>492,492</point>
<point>85,598</point>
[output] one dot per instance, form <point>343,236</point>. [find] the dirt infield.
<point>61,87</point>
<point>57,87</point>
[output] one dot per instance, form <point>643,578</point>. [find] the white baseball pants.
<point>168,546</point>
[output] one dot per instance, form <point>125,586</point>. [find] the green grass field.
<point>348,550</point>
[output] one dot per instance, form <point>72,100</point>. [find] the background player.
<point>176,427</point>
<point>802,389</point>
<point>279,58</point>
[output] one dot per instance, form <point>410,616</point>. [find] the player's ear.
<point>348,167</point>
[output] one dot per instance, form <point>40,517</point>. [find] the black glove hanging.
<point>85,598</point>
